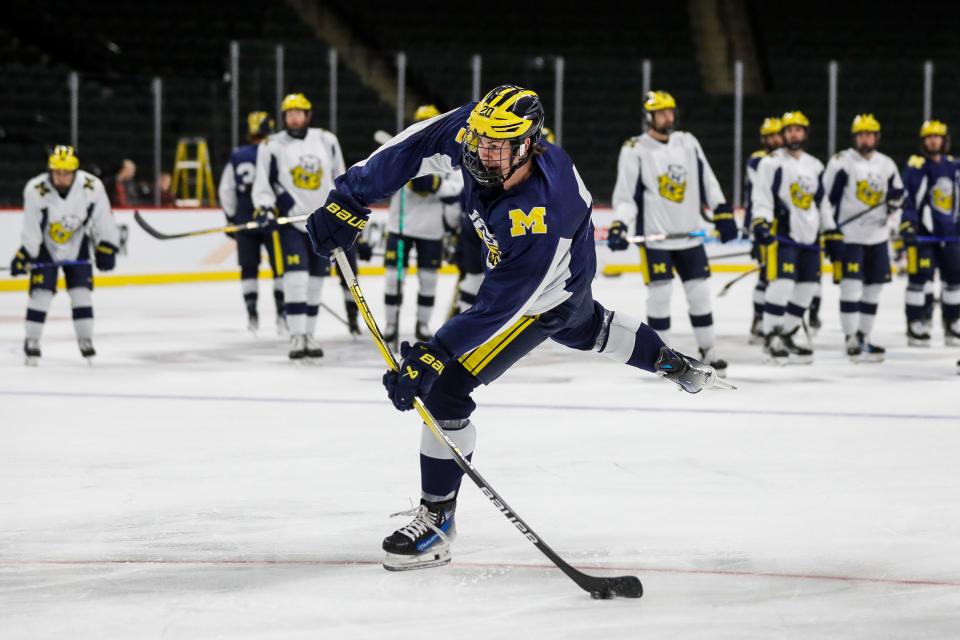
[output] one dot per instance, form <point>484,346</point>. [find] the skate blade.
<point>780,362</point>
<point>719,384</point>
<point>800,360</point>
<point>31,361</point>
<point>871,359</point>
<point>755,341</point>
<point>951,342</point>
<point>89,360</point>
<point>914,342</point>
<point>396,562</point>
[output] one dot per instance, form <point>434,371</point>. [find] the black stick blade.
<point>620,587</point>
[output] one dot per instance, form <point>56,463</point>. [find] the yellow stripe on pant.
<point>474,361</point>
<point>644,265</point>
<point>771,261</point>
<point>277,253</point>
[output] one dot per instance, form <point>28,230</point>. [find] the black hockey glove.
<point>725,223</point>
<point>833,243</point>
<point>105,255</point>
<point>420,366</point>
<point>617,236</point>
<point>908,233</point>
<point>264,217</point>
<point>761,232</point>
<point>364,250</point>
<point>20,263</point>
<point>425,185</point>
<point>337,224</point>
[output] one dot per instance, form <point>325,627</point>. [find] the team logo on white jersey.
<point>802,192</point>
<point>941,197</point>
<point>493,247</point>
<point>871,191</point>
<point>62,230</point>
<point>673,183</point>
<point>307,174</point>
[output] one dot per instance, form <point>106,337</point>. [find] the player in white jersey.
<point>787,222</point>
<point>856,180</point>
<point>65,212</point>
<point>770,139</point>
<point>421,213</point>
<point>664,182</point>
<point>295,172</point>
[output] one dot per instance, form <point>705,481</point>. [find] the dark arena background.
<point>196,440</point>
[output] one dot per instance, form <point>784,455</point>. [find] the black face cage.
<point>493,177</point>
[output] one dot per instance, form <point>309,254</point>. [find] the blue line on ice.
<point>486,405</point>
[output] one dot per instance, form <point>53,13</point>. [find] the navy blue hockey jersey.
<point>236,183</point>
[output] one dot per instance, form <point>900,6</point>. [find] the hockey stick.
<point>740,277</point>
<point>230,228</point>
<point>42,265</point>
<point>340,318</point>
<point>600,588</point>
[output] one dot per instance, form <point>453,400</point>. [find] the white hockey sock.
<point>295,300</point>
<point>658,307</point>
<point>798,304</point>
<point>439,474</point>
<point>868,307</point>
<point>37,306</point>
<point>392,298</point>
<point>469,286</point>
<point>427,294</point>
<point>701,316</point>
<point>314,295</point>
<point>851,293</point>
<point>775,303</point>
<point>81,300</point>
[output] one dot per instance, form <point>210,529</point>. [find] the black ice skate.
<point>313,347</point>
<point>797,353</point>
<point>710,357</point>
<point>423,332</point>
<point>31,349</point>
<point>854,351</point>
<point>86,349</point>
<point>756,331</point>
<point>917,334</point>
<point>425,542</point>
<point>813,319</point>
<point>951,334</point>
<point>691,375</point>
<point>352,323</point>
<point>774,348</point>
<point>870,352</point>
<point>298,347</point>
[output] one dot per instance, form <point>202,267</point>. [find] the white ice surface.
<point>195,484</point>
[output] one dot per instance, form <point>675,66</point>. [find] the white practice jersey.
<point>659,184</point>
<point>61,224</point>
<point>296,175</point>
<point>789,190</point>
<point>426,216</point>
<point>853,183</point>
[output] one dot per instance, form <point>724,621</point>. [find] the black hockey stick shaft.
<point>42,265</point>
<point>740,277</point>
<point>625,586</point>
<point>230,228</point>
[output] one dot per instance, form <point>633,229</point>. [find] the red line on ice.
<point>494,565</point>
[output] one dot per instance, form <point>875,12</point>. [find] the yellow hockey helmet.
<point>770,126</point>
<point>794,118</point>
<point>425,112</point>
<point>509,113</point>
<point>259,124</point>
<point>549,136</point>
<point>933,128</point>
<point>865,122</point>
<point>658,101</point>
<point>295,101</point>
<point>63,158</point>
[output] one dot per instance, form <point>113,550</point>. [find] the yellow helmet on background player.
<point>509,113</point>
<point>865,123</point>
<point>63,158</point>
<point>770,126</point>
<point>295,101</point>
<point>425,112</point>
<point>549,136</point>
<point>933,128</point>
<point>259,124</point>
<point>658,101</point>
<point>794,119</point>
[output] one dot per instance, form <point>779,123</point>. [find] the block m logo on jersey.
<point>522,222</point>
